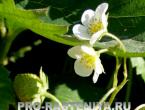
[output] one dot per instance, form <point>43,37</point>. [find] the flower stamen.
<point>88,60</point>
<point>95,27</point>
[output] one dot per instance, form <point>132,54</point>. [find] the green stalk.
<point>8,3</point>
<point>116,91</point>
<point>114,76</point>
<point>129,85</point>
<point>115,83</point>
<point>118,64</point>
<point>117,39</point>
<point>125,69</point>
<point>105,97</point>
<point>5,43</point>
<point>120,85</point>
<point>48,95</point>
<point>102,51</point>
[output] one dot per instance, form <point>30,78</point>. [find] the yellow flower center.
<point>88,60</point>
<point>95,27</point>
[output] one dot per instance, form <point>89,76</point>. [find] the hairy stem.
<point>9,3</point>
<point>5,43</point>
<point>118,64</point>
<point>117,39</point>
<point>103,51</point>
<point>52,97</point>
<point>129,85</point>
<point>120,86</point>
<point>104,98</point>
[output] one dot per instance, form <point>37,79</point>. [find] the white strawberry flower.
<point>94,24</point>
<point>87,61</point>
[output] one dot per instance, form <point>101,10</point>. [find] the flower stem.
<point>48,95</point>
<point>129,85</point>
<point>105,97</point>
<point>125,69</point>
<point>102,51</point>
<point>5,43</point>
<point>121,84</point>
<point>116,38</point>
<point>116,91</point>
<point>115,82</point>
<point>9,3</point>
<point>118,64</point>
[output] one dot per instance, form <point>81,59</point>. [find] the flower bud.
<point>28,87</point>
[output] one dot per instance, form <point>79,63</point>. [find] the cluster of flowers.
<point>94,24</point>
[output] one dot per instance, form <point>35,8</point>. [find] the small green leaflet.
<point>139,64</point>
<point>6,90</point>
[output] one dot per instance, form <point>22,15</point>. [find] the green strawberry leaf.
<point>27,19</point>
<point>65,94</point>
<point>6,90</point>
<point>139,64</point>
<point>126,20</point>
